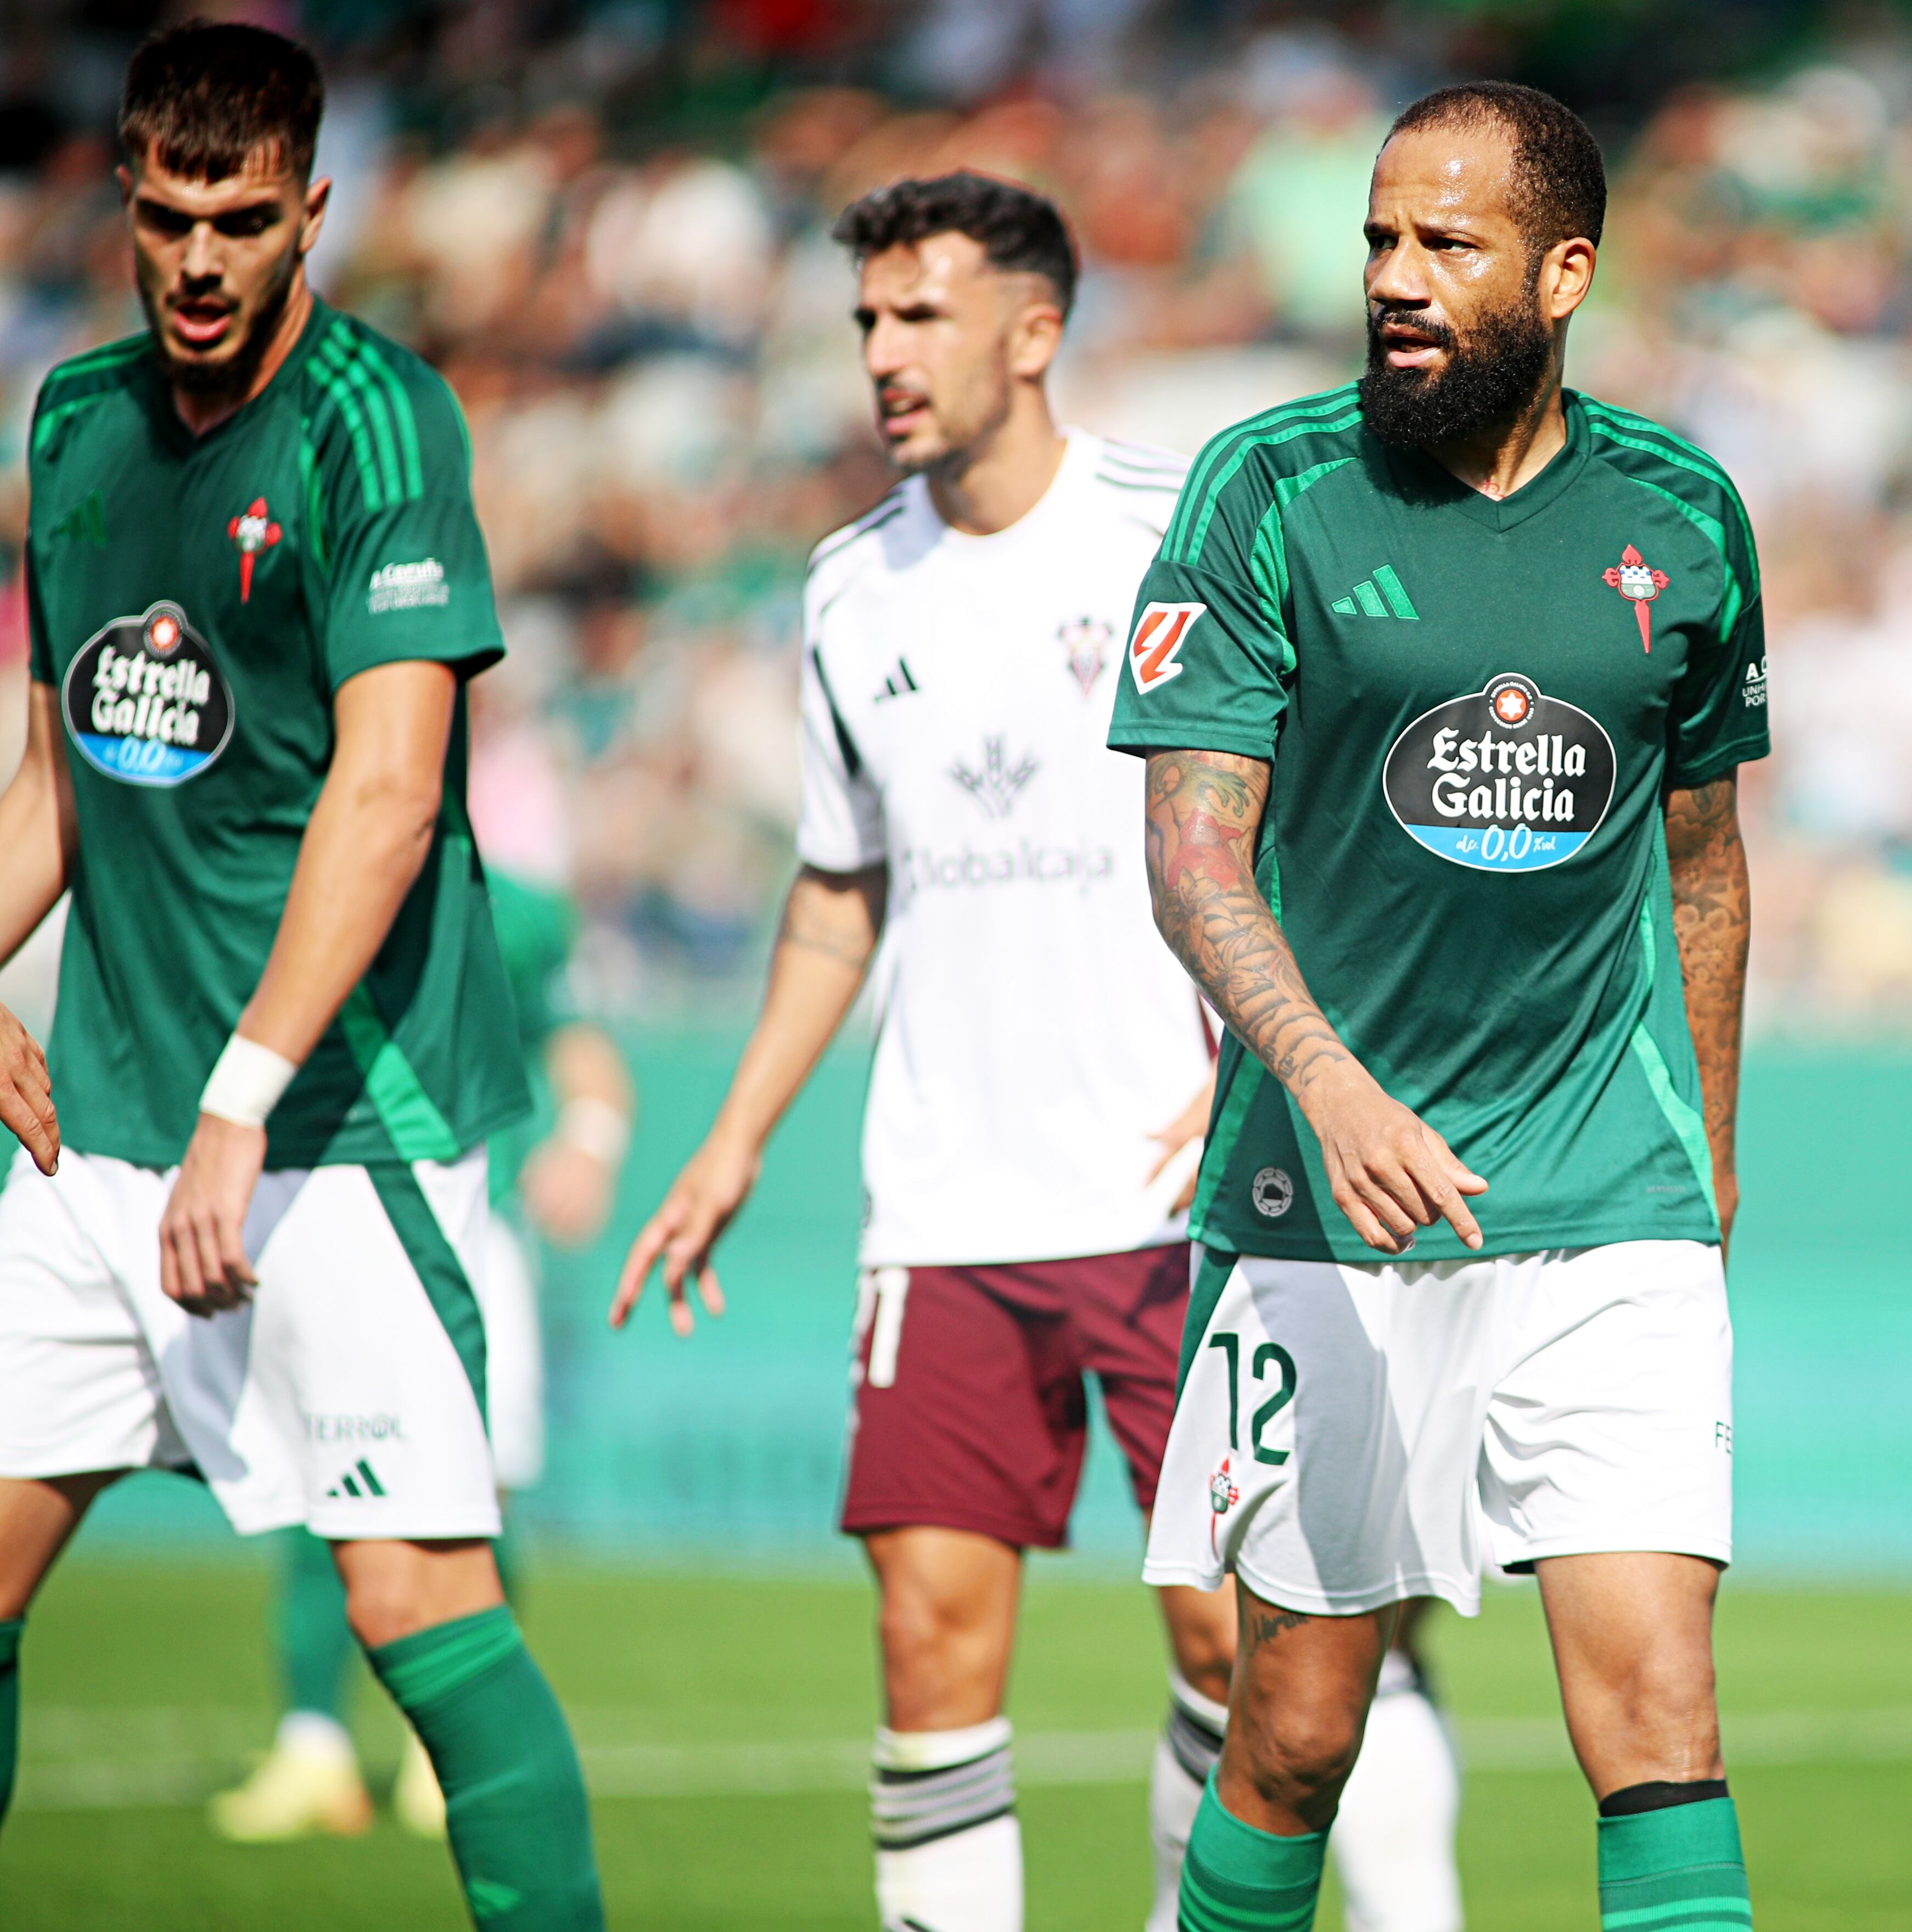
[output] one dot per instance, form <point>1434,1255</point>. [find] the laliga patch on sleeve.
<point>1156,644</point>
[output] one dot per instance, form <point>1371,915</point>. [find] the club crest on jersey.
<point>1505,779</point>
<point>1157,642</point>
<point>1086,644</point>
<point>1222,1496</point>
<point>1639,584</point>
<point>143,700</point>
<point>250,533</point>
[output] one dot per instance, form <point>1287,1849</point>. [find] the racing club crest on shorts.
<point>1222,1496</point>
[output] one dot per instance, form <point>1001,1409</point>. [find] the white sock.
<point>1393,1840</point>
<point>949,1850</point>
<point>1185,1753</point>
<point>316,1734</point>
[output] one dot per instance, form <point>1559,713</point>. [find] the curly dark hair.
<point>1560,181</point>
<point>203,97</point>
<point>1020,232</point>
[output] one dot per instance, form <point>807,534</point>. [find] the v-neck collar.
<point>1504,513</point>
<point>181,434</point>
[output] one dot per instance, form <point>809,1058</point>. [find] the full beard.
<point>230,379</point>
<point>1493,375</point>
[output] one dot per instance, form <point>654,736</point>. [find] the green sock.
<point>1235,1878</point>
<point>515,1804</point>
<point>315,1640</point>
<point>1679,1869</point>
<point>9,1706</point>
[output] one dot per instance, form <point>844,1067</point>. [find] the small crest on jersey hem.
<point>1156,646</point>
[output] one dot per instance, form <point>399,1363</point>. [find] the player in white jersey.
<point>1042,1068</point>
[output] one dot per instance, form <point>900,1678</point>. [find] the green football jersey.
<point>536,926</point>
<point>195,601</point>
<point>1472,709</point>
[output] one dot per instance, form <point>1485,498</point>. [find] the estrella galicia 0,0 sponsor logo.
<point>1503,780</point>
<point>144,700</point>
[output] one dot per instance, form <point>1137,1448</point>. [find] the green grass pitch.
<point>724,1721</point>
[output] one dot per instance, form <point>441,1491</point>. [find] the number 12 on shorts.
<point>1269,1361</point>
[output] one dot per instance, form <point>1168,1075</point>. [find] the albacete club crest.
<point>252,533</point>
<point>1639,584</point>
<point>1085,642</point>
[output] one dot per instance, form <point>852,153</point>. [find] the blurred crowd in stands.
<point>647,324</point>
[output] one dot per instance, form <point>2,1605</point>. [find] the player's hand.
<point>1390,1172</point>
<point>26,1094</point>
<point>700,1206</point>
<point>1190,1124</point>
<point>567,1191</point>
<point>202,1261</point>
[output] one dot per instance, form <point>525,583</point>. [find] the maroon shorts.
<point>970,1410</point>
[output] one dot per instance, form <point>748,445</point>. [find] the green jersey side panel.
<point>535,929</point>
<point>195,603</point>
<point>1472,709</point>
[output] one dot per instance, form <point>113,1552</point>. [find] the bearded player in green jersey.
<point>1443,679</point>
<point>284,1032</point>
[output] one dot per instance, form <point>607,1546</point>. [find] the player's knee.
<point>385,1605</point>
<point>1204,1647</point>
<point>916,1623</point>
<point>1659,1707</point>
<point>1299,1753</point>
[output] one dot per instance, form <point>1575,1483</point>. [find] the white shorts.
<point>513,1356</point>
<point>1348,1436</point>
<point>348,1397</point>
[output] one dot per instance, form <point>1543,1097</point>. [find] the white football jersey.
<point>1034,1033</point>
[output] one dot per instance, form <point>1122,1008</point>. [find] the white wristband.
<point>594,1127</point>
<point>246,1082</point>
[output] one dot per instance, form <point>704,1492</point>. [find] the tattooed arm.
<point>832,921</point>
<point>1711,921</point>
<point>1390,1172</point>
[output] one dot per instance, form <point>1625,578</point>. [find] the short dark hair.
<point>1560,181</point>
<point>1020,231</point>
<point>202,98</point>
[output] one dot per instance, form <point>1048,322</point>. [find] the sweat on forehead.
<point>1556,181</point>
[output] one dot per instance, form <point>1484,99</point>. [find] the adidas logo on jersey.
<point>898,681</point>
<point>359,1481</point>
<point>1381,595</point>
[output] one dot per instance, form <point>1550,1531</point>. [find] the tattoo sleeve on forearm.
<point>1204,810</point>
<point>1712,922</point>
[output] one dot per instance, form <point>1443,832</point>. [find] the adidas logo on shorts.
<point>359,1481</point>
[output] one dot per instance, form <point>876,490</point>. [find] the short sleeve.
<point>1207,661</point>
<point>1717,718</point>
<point>407,570</point>
<point>840,827</point>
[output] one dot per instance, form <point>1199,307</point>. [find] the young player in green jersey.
<point>283,1031</point>
<point>555,1171</point>
<point>1443,680</point>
